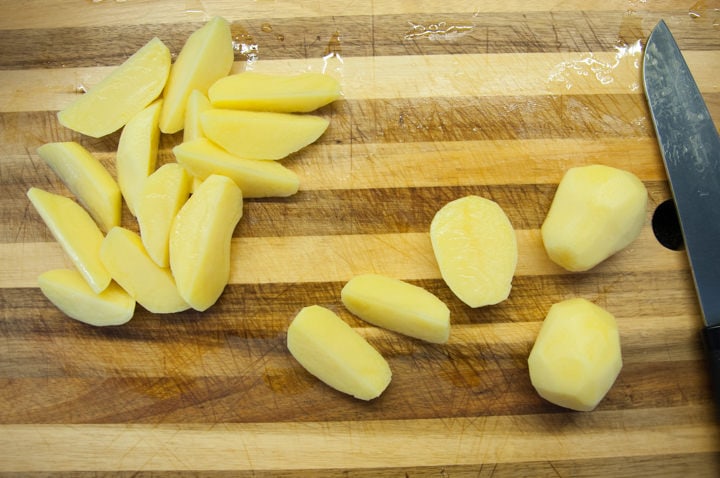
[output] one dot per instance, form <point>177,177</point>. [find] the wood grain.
<point>440,100</point>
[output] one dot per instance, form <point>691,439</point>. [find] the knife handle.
<point>711,340</point>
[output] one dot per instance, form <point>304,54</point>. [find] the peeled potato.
<point>200,239</point>
<point>206,56</point>
<point>597,211</point>
<point>260,134</point>
<point>87,179</point>
<point>255,178</point>
<point>281,93</point>
<point>137,153</point>
<point>399,306</point>
<point>70,292</point>
<point>110,104</point>
<point>152,286</point>
<point>77,233</point>
<point>576,356</point>
<point>476,249</point>
<point>336,354</point>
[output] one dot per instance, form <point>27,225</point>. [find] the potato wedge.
<point>597,211</point>
<point>200,240</point>
<point>476,249</point>
<point>260,134</point>
<point>152,286</point>
<point>110,104</point>
<point>68,290</point>
<point>399,306</point>
<point>280,93</point>
<point>86,177</point>
<point>164,193</point>
<point>206,56</point>
<point>196,104</point>
<point>76,232</point>
<point>137,151</point>
<point>336,354</point>
<point>255,178</point>
<point>576,356</point>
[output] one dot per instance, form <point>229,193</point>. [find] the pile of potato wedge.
<point>236,130</point>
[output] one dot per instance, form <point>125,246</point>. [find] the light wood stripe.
<point>435,76</point>
<point>465,163</point>
<point>338,258</point>
<point>355,444</point>
<point>49,14</point>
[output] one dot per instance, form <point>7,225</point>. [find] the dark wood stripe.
<point>419,119</point>
<point>333,212</point>
<point>261,311</point>
<point>407,34</point>
<point>445,387</point>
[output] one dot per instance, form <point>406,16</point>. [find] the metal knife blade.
<point>690,148</point>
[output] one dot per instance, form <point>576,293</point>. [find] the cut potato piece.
<point>87,179</point>
<point>196,104</point>
<point>255,178</point>
<point>280,93</point>
<point>150,285</point>
<point>200,240</point>
<point>77,233</point>
<point>476,249</point>
<point>576,356</point>
<point>164,193</point>
<point>132,86</point>
<point>137,153</point>
<point>398,306</point>
<point>70,292</point>
<point>260,134</point>
<point>333,352</point>
<point>597,211</point>
<point>206,57</point>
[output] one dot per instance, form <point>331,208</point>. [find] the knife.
<point>690,148</point>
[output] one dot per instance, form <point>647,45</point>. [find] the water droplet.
<point>333,50</point>
<point>266,27</point>
<point>244,45</point>
<point>440,31</point>
<point>195,6</point>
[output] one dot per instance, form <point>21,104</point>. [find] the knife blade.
<point>690,147</point>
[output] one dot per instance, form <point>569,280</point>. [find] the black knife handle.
<point>711,340</point>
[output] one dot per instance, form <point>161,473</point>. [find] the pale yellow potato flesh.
<point>200,239</point>
<point>576,356</point>
<point>399,306</point>
<point>110,104</point>
<point>256,178</point>
<point>261,134</point>
<point>476,250</point>
<point>137,153</point>
<point>86,177</point>
<point>332,351</point>
<point>70,292</point>
<point>206,56</point>
<point>197,103</point>
<point>76,232</point>
<point>249,90</point>
<point>152,286</point>
<point>597,211</point>
<point>164,193</point>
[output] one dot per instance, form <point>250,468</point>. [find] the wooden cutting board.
<point>441,100</point>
